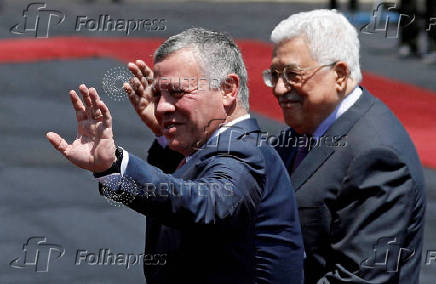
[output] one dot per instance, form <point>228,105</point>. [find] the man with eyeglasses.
<point>358,179</point>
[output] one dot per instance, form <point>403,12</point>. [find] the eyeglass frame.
<point>299,69</point>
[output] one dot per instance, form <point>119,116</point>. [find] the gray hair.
<point>329,35</point>
<point>218,56</point>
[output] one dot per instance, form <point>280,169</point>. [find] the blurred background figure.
<point>430,28</point>
<point>424,20</point>
<point>353,5</point>
<point>408,46</point>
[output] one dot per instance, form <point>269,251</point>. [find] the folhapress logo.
<point>37,254</point>
<point>388,255</point>
<point>38,20</point>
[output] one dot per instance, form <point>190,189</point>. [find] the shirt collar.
<point>223,128</point>
<point>342,107</point>
<point>227,125</point>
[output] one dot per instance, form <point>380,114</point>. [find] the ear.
<point>342,75</point>
<point>230,88</point>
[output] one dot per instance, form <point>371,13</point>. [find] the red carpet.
<point>413,105</point>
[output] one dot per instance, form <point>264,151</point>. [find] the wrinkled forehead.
<point>180,63</point>
<point>180,69</point>
<point>292,52</point>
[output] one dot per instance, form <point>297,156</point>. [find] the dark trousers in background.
<point>353,5</point>
<point>409,31</point>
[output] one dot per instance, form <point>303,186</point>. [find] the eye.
<point>177,93</point>
<point>275,75</point>
<point>155,93</point>
<point>291,75</point>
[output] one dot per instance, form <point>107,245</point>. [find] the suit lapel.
<point>337,131</point>
<point>314,159</point>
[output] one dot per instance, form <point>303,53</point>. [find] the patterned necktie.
<point>302,151</point>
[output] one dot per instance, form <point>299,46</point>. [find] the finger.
<point>75,100</point>
<point>146,82</point>
<point>145,70</point>
<point>58,142</point>
<point>85,94</point>
<point>139,87</point>
<point>78,106</point>
<point>107,117</point>
<point>134,84</point>
<point>130,94</point>
<point>96,112</point>
<point>135,70</point>
<point>95,93</point>
<point>94,96</point>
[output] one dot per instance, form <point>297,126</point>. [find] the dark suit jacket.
<point>228,216</point>
<point>361,200</point>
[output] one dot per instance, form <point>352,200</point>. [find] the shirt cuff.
<point>113,181</point>
<point>124,162</point>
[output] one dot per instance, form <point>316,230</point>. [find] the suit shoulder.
<point>379,128</point>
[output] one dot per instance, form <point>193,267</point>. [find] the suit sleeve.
<point>372,239</point>
<point>225,189</point>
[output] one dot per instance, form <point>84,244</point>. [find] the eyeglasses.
<point>292,75</point>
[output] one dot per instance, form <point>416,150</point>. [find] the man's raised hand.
<point>139,91</point>
<point>94,147</point>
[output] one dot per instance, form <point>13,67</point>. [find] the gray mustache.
<point>292,96</point>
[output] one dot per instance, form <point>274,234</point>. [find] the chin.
<point>177,146</point>
<point>295,126</point>
<point>291,122</point>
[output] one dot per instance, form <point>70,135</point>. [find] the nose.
<point>281,87</point>
<point>165,104</point>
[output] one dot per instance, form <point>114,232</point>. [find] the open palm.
<point>94,147</point>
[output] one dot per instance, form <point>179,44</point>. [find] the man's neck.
<point>342,107</point>
<point>223,127</point>
<point>236,114</point>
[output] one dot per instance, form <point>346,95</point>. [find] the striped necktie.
<point>302,151</point>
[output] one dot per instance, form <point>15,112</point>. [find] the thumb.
<point>57,141</point>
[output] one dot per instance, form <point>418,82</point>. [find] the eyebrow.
<point>172,86</point>
<point>292,65</point>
